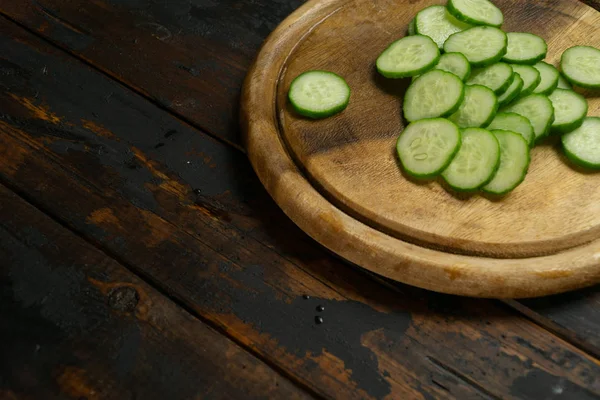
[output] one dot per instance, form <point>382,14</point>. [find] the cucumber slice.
<point>434,94</point>
<point>437,23</point>
<point>476,12</point>
<point>319,94</point>
<point>411,27</point>
<point>477,109</point>
<point>582,146</point>
<point>549,76</point>
<point>581,66</point>
<point>525,48</point>
<point>426,147</point>
<point>409,56</point>
<point>481,45</point>
<point>531,78</point>
<point>512,92</point>
<point>455,63</point>
<point>538,109</point>
<point>570,109</point>
<point>563,83</point>
<point>497,77</point>
<point>508,121</point>
<point>514,162</point>
<point>476,161</point>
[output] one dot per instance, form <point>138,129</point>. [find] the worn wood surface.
<point>242,266</point>
<point>540,240</point>
<point>189,57</point>
<point>113,164</point>
<point>75,324</point>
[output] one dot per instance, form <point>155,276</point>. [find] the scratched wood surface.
<point>76,323</point>
<point>207,235</point>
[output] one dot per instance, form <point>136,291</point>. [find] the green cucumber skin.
<point>579,162</point>
<point>440,170</point>
<point>574,81</point>
<point>506,85</point>
<point>449,112</point>
<point>488,180</point>
<point>529,61</point>
<point>322,114</point>
<point>504,192</point>
<point>528,91</point>
<point>576,160</point>
<point>502,88</point>
<point>468,73</point>
<point>492,115</point>
<point>489,61</point>
<point>531,142</point>
<point>550,89</point>
<point>458,103</point>
<point>461,17</point>
<point>411,27</point>
<point>546,132</point>
<point>515,93</point>
<point>568,127</point>
<point>396,75</point>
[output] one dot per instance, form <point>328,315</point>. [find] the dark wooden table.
<point>140,258</point>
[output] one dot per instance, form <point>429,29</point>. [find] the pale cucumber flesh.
<point>476,161</point>
<point>427,146</point>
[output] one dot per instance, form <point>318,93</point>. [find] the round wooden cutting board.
<point>340,181</point>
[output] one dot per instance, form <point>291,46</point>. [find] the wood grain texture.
<point>69,24</point>
<point>75,324</point>
<point>350,161</point>
<point>190,57</point>
<point>206,233</point>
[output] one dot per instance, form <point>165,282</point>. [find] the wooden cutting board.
<point>340,181</point>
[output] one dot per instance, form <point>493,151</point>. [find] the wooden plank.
<point>188,56</point>
<point>574,315</point>
<point>76,324</point>
<point>187,213</point>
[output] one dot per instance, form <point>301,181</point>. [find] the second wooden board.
<point>340,181</point>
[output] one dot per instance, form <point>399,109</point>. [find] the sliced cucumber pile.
<point>409,56</point>
<point>514,161</point>
<point>319,94</point>
<point>475,163</point>
<point>479,99</point>
<point>426,147</point>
